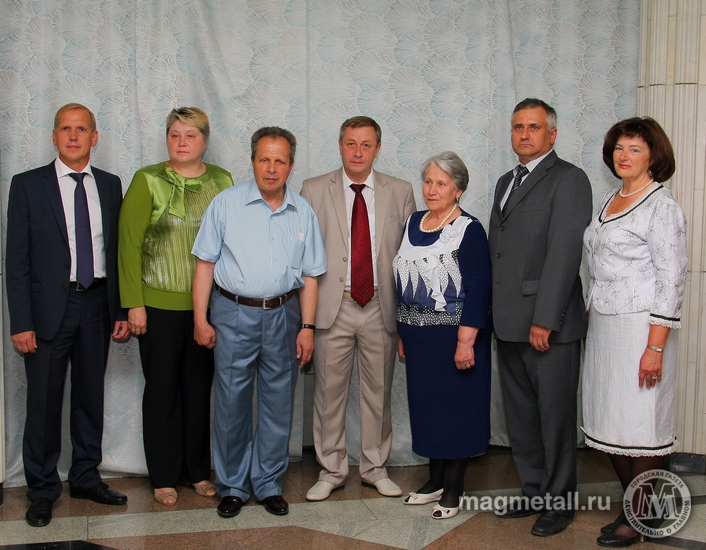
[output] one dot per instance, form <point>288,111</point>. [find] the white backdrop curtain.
<point>436,74</point>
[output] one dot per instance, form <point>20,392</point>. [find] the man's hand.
<point>539,337</point>
<point>25,342</point>
<point>137,320</point>
<point>121,332</point>
<point>305,346</point>
<point>204,334</point>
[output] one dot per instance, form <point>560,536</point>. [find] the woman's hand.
<point>650,368</point>
<point>137,320</point>
<point>465,356</point>
<point>400,348</point>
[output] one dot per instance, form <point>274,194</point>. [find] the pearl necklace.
<point>626,195</point>
<point>425,216</point>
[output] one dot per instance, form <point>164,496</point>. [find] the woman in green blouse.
<point>159,219</point>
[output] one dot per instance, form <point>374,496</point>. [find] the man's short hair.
<point>451,163</point>
<point>69,107</point>
<point>662,163</point>
<point>361,122</point>
<point>191,116</point>
<point>273,132</point>
<point>532,103</point>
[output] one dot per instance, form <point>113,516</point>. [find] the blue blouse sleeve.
<point>474,263</point>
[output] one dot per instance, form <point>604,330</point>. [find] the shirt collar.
<point>63,170</point>
<point>531,165</point>
<point>370,180</point>
<point>255,195</point>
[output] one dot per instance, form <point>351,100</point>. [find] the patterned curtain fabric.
<point>436,74</point>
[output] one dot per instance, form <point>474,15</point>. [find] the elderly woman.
<point>160,217</point>
<point>636,252</point>
<point>442,272</point>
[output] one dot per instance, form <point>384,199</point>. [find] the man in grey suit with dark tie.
<point>540,211</point>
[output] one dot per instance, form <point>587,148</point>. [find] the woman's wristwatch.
<point>655,348</point>
<point>312,327</point>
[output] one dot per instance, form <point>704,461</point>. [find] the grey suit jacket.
<point>394,203</point>
<point>535,249</point>
<point>38,259</point>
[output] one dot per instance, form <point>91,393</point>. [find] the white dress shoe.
<point>320,491</point>
<point>387,488</point>
<point>442,512</point>
<point>424,498</point>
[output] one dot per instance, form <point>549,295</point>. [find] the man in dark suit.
<point>62,294</point>
<point>540,211</point>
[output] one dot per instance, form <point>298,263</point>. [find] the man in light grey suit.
<point>540,211</point>
<point>362,214</point>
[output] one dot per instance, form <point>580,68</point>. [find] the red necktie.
<point>361,253</point>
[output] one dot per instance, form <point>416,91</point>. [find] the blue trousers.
<point>250,341</point>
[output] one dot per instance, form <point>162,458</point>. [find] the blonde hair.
<point>71,106</point>
<point>192,116</point>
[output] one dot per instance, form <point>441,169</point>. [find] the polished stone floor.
<point>355,517</point>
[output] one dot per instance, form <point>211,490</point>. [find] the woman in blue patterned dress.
<point>636,254</point>
<point>442,272</point>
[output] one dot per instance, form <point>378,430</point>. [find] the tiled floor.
<point>355,517</point>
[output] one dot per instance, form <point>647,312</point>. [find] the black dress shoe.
<point>39,512</point>
<point>611,527</point>
<point>612,540</point>
<point>102,494</point>
<point>276,505</point>
<point>230,507</point>
<point>551,523</point>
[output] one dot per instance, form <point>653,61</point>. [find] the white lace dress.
<point>638,267</point>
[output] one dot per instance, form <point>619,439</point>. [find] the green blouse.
<point>159,219</point>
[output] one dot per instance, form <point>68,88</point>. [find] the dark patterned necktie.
<point>362,286</point>
<point>84,239</point>
<point>520,173</point>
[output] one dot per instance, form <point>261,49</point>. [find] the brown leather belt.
<point>267,303</point>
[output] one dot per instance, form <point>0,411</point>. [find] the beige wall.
<point>672,89</point>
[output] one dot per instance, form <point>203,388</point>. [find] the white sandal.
<point>424,498</point>
<point>442,512</point>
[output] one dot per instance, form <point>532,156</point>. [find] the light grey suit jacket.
<point>394,203</point>
<point>535,249</point>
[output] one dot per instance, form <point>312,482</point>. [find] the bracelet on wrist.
<point>655,348</point>
<point>312,327</point>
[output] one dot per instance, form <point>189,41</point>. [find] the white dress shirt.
<point>67,187</point>
<point>369,196</point>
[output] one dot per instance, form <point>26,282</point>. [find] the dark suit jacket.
<point>535,249</point>
<point>394,203</point>
<point>38,259</point>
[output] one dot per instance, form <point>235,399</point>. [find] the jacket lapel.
<point>534,177</point>
<point>339,204</point>
<point>382,199</point>
<point>50,184</point>
<point>104,198</point>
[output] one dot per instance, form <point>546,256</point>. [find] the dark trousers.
<point>83,338</point>
<point>539,389</point>
<point>176,402</point>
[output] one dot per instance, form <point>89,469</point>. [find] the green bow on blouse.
<point>178,185</point>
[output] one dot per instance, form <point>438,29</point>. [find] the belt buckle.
<point>79,288</point>
<point>264,303</point>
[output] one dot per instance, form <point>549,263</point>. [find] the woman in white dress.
<point>636,253</point>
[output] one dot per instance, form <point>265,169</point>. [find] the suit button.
<point>498,255</point>
<point>341,279</point>
<point>502,228</point>
<point>66,266</point>
<point>63,289</point>
<point>345,259</point>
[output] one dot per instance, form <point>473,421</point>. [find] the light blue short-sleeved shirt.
<point>260,253</point>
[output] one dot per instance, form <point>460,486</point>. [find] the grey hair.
<point>273,132</point>
<point>451,163</point>
<point>533,103</point>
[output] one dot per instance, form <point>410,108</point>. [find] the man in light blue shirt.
<point>262,246</point>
